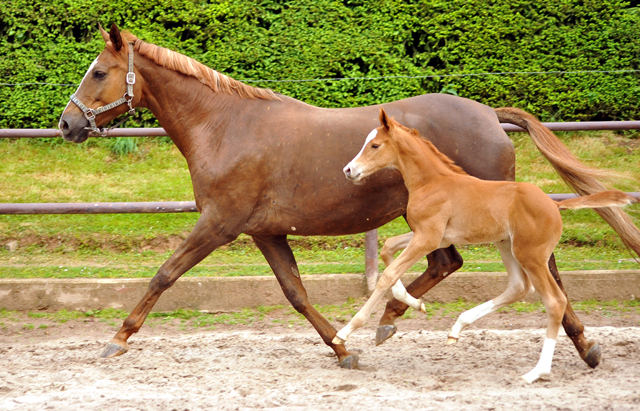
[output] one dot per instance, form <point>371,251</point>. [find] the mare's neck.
<point>188,110</point>
<point>418,163</point>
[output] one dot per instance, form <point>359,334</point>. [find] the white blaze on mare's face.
<point>85,76</point>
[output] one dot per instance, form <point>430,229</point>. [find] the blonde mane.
<point>186,65</point>
<point>444,158</point>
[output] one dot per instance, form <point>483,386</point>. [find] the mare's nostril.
<point>64,126</point>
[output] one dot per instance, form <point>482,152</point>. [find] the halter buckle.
<point>131,78</point>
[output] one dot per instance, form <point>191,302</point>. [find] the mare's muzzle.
<point>74,127</point>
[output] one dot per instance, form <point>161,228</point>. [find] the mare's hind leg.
<point>280,257</point>
<point>442,262</point>
<point>199,244</point>
<point>589,350</point>
<point>518,287</point>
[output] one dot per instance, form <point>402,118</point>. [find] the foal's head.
<point>378,151</point>
<point>104,83</point>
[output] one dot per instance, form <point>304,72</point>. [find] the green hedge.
<point>54,42</point>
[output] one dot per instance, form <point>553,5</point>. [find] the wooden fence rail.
<point>371,237</point>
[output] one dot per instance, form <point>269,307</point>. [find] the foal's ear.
<point>115,37</point>
<point>385,121</point>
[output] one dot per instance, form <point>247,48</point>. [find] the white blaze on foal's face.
<point>355,170</point>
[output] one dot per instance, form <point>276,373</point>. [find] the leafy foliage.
<point>47,42</point>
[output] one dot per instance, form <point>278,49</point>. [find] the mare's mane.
<point>180,63</point>
<point>443,158</point>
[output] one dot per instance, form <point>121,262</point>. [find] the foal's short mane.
<point>190,67</point>
<point>451,165</point>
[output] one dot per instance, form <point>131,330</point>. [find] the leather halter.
<point>90,113</point>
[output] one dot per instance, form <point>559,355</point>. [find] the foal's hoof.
<point>113,350</point>
<point>451,340</point>
<point>384,332</point>
<point>593,356</point>
<point>350,362</point>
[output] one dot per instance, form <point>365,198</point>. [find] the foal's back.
<point>479,211</point>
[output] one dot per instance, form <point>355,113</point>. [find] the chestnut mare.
<point>270,166</point>
<point>448,206</point>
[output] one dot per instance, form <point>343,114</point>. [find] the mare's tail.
<point>609,198</point>
<point>582,179</point>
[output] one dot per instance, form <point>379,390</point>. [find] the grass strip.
<point>288,316</point>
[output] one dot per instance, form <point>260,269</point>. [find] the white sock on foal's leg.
<point>468,317</point>
<point>400,293</point>
<point>544,364</point>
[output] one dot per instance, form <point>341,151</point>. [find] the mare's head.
<point>107,81</point>
<point>378,151</point>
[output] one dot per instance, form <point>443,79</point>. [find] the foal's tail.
<point>603,199</point>
<point>582,179</point>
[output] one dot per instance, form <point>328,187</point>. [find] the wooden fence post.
<point>371,259</point>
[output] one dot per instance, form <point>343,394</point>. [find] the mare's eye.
<point>374,145</point>
<point>99,75</point>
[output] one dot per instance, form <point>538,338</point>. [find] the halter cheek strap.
<point>90,113</point>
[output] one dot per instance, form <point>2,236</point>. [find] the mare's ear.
<point>103,33</point>
<point>115,37</point>
<point>385,121</point>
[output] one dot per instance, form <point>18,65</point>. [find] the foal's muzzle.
<point>352,172</point>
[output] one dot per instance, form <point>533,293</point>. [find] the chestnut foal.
<point>446,206</point>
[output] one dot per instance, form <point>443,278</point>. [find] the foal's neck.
<point>420,162</point>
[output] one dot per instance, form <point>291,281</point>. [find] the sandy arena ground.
<point>242,368</point>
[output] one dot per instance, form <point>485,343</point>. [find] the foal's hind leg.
<point>280,257</point>
<point>589,350</point>
<point>555,303</point>
<point>518,287</point>
<point>199,244</point>
<point>442,262</point>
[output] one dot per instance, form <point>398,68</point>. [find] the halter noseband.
<point>90,113</point>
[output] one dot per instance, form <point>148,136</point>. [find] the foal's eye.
<point>375,145</point>
<point>99,75</point>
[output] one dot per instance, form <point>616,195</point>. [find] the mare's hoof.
<point>451,340</point>
<point>350,362</point>
<point>113,350</point>
<point>593,356</point>
<point>384,332</point>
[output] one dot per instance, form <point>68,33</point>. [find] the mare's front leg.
<point>280,257</point>
<point>205,237</point>
<point>442,262</point>
<point>589,350</point>
<point>416,249</point>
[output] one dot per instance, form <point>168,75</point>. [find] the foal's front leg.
<point>416,249</point>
